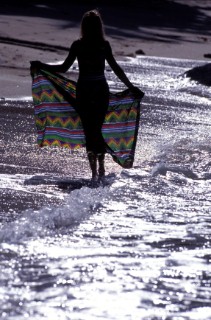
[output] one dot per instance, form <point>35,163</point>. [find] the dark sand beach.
<point>33,30</point>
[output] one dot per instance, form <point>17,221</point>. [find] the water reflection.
<point>135,248</point>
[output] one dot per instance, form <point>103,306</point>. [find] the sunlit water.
<point>136,247</point>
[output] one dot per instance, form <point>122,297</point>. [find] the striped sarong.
<point>58,123</point>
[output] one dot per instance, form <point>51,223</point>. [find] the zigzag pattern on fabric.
<point>58,123</point>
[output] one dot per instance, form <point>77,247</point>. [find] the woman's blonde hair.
<point>92,26</point>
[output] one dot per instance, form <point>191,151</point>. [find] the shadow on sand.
<point>123,18</point>
<point>70,184</point>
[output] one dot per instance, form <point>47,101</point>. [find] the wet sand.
<point>29,31</point>
<point>163,28</point>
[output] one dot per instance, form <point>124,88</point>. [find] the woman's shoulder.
<point>81,44</point>
<point>75,46</point>
<point>76,43</point>
<point>107,43</point>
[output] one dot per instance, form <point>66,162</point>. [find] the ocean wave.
<point>78,205</point>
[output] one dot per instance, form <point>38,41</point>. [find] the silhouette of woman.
<point>92,92</point>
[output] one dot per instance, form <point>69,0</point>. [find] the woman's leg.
<point>101,170</point>
<point>92,163</point>
<point>92,102</point>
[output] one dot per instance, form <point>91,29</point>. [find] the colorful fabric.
<point>58,123</point>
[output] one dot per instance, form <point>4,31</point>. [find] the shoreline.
<point>18,88</point>
<point>156,28</point>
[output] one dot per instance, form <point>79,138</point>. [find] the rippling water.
<point>136,247</point>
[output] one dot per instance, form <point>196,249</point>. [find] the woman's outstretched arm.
<point>60,68</point>
<point>120,73</point>
<point>116,67</point>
